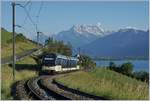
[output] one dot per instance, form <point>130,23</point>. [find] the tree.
<point>112,66</point>
<point>141,75</point>
<point>54,46</point>
<point>86,62</point>
<point>126,68</point>
<point>48,41</point>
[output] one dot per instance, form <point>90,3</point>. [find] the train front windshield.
<point>49,60</point>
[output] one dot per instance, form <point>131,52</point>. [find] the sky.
<point>57,16</point>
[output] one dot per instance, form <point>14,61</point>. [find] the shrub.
<point>86,62</point>
<point>112,66</point>
<point>141,75</point>
<point>126,68</point>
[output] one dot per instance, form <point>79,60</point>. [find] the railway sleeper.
<point>36,89</point>
<point>52,93</point>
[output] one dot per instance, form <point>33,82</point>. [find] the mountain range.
<point>93,40</point>
<point>123,43</point>
<point>80,35</point>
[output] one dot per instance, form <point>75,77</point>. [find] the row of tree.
<point>127,69</point>
<point>54,46</point>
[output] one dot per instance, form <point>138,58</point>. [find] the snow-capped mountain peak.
<point>129,29</point>
<point>90,29</point>
<point>79,35</point>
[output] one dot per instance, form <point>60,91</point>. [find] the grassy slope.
<point>7,78</point>
<point>106,83</point>
<point>5,36</point>
<point>6,70</point>
<point>21,46</point>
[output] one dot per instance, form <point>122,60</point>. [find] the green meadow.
<point>107,84</point>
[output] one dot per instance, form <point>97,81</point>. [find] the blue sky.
<point>57,16</point>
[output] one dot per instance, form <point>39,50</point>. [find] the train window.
<point>67,63</point>
<point>48,63</point>
<point>64,63</point>
<point>70,63</point>
<point>58,61</point>
<point>74,63</point>
<point>46,58</point>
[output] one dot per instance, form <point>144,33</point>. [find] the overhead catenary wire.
<point>38,14</point>
<point>30,18</point>
<point>25,19</point>
<point>34,23</point>
<point>28,15</point>
<point>27,3</point>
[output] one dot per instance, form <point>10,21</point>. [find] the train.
<point>54,62</point>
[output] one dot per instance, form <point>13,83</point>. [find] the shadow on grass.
<point>20,67</point>
<point>13,91</point>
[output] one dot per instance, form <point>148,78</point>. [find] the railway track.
<point>33,90</point>
<point>43,88</point>
<point>22,92</point>
<point>49,85</point>
<point>37,90</point>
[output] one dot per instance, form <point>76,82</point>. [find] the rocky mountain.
<point>125,42</point>
<point>80,35</point>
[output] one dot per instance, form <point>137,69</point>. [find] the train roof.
<point>66,57</point>
<point>63,56</point>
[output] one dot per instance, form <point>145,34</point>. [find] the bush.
<point>126,68</point>
<point>112,66</point>
<point>141,75</point>
<point>86,62</point>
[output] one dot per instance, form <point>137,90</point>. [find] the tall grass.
<point>106,83</point>
<point>22,44</point>
<point>7,77</point>
<point>20,47</point>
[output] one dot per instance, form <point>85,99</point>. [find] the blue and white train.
<point>58,63</point>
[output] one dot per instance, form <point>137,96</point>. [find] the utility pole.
<point>13,39</point>
<point>38,38</point>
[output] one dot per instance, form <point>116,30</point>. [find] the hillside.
<point>5,36</point>
<point>22,43</point>
<point>107,84</point>
<point>123,43</point>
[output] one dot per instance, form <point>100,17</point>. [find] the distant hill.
<point>22,43</point>
<point>123,43</point>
